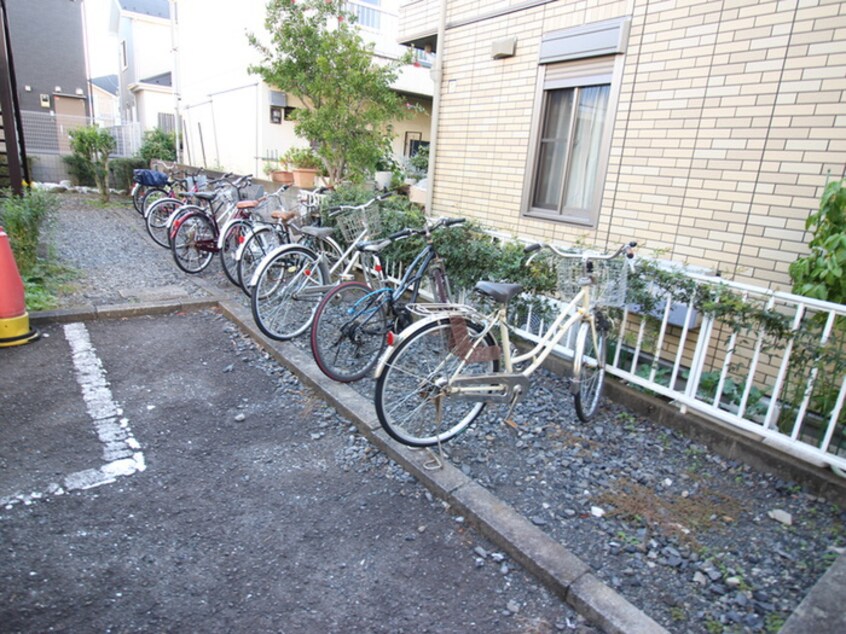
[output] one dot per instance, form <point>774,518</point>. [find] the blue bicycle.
<point>353,321</point>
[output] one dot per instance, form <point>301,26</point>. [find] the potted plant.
<point>278,173</point>
<point>306,166</point>
<point>385,168</point>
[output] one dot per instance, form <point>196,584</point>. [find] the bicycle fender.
<point>161,201</point>
<point>272,255</point>
<point>405,334</point>
<point>223,231</point>
<point>179,211</point>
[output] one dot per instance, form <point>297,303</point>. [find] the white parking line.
<point>120,449</point>
<point>121,452</point>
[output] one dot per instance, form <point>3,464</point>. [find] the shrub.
<point>93,146</point>
<point>80,170</point>
<point>158,144</point>
<point>23,217</point>
<point>121,171</point>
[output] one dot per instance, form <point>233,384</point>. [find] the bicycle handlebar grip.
<point>402,233</point>
<point>532,248</point>
<point>448,222</point>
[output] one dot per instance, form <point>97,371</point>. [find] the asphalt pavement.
<point>161,473</point>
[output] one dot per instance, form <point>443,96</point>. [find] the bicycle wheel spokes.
<point>348,333</point>
<point>589,371</point>
<point>193,243</point>
<point>413,402</point>
<point>287,292</point>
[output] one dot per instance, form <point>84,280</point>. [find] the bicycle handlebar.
<point>378,245</point>
<point>626,247</point>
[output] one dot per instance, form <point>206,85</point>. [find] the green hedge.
<point>120,170</point>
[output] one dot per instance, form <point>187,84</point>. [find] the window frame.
<point>582,73</point>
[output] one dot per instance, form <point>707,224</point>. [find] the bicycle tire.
<point>155,219</point>
<point>588,371</point>
<point>349,330</point>
<point>193,243</point>
<point>289,285</point>
<point>138,191</point>
<point>152,195</point>
<point>235,234</point>
<point>413,377</point>
<point>256,247</point>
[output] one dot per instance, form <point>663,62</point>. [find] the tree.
<point>93,146</point>
<point>158,144</point>
<point>316,54</point>
<point>820,274</point>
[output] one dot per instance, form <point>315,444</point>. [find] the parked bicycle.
<point>197,233</point>
<point>353,320</point>
<point>440,373</point>
<point>290,282</point>
<point>284,227</point>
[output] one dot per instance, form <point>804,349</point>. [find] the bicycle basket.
<point>351,223</point>
<point>609,279</point>
<point>268,205</point>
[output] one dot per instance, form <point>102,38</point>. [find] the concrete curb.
<point>558,568</point>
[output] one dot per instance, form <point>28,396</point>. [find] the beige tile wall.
<point>731,115</point>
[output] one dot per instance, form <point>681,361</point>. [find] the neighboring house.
<point>105,99</point>
<point>48,46</point>
<point>143,30</point>
<point>232,119</point>
<point>706,130</point>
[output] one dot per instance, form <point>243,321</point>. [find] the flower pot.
<point>282,176</point>
<point>383,179</point>
<point>304,177</point>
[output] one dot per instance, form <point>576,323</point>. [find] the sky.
<point>102,45</point>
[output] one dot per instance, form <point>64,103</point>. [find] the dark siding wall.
<point>48,46</point>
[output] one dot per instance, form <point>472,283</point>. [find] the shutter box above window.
<point>591,40</point>
<point>278,98</point>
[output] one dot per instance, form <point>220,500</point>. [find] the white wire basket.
<point>352,223</point>
<point>266,207</point>
<point>608,278</point>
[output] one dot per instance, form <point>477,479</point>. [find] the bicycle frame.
<point>580,308</point>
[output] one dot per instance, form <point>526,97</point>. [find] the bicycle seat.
<point>498,292</point>
<point>284,216</point>
<point>318,232</point>
<point>208,196</point>
<point>247,204</point>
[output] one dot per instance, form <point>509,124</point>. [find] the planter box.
<point>282,176</point>
<point>304,177</point>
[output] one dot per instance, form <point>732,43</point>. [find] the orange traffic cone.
<point>14,320</point>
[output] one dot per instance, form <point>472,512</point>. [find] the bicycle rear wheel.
<point>194,242</point>
<point>255,248</point>
<point>412,402</point>
<point>348,333</point>
<point>588,371</point>
<point>156,217</point>
<point>289,286</point>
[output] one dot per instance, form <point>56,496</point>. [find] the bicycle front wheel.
<point>256,247</point>
<point>289,286</point>
<point>413,402</point>
<point>349,330</point>
<point>193,243</point>
<point>588,370</point>
<point>156,219</point>
<point>235,235</point>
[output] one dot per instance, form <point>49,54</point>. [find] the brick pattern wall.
<point>731,116</point>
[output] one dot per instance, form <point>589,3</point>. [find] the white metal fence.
<point>48,134</point>
<point>786,390</point>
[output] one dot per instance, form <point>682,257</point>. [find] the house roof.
<point>153,8</point>
<point>109,83</point>
<point>163,79</point>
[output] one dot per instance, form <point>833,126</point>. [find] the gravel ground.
<point>699,543</point>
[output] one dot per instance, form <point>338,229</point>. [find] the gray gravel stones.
<point>698,542</point>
